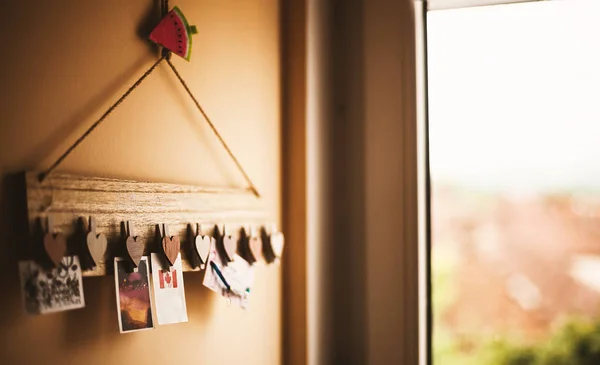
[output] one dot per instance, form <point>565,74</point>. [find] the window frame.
<point>456,4</point>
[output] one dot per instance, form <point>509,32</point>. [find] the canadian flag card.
<point>169,295</point>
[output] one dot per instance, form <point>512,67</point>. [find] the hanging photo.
<point>211,276</point>
<point>53,290</point>
<point>233,281</point>
<point>169,294</point>
<point>134,306</point>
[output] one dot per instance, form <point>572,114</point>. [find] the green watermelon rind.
<point>188,33</point>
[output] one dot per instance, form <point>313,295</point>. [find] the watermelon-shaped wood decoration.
<point>174,34</point>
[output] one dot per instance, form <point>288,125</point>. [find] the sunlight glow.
<point>497,73</point>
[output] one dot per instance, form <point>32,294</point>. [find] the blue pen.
<point>222,277</point>
<point>216,268</point>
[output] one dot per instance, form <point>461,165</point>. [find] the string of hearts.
<point>254,247</point>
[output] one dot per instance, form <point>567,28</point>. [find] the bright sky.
<point>514,95</point>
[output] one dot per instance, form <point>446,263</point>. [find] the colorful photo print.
<point>134,304</point>
<point>52,290</point>
<point>169,294</point>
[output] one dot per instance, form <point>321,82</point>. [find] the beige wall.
<point>63,63</point>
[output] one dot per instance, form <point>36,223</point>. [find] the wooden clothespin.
<point>255,246</point>
<point>276,244</point>
<point>170,245</point>
<point>230,244</point>
<point>135,246</point>
<point>96,243</point>
<point>55,243</point>
<point>202,245</point>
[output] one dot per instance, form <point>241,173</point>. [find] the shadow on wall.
<point>75,329</point>
<point>13,246</point>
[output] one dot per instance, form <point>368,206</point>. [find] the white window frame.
<point>454,4</point>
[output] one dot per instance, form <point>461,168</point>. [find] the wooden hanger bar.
<point>67,198</point>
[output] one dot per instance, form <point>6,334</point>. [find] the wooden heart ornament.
<point>277,241</point>
<point>171,246</point>
<point>256,248</point>
<point>96,243</point>
<point>230,246</point>
<point>203,245</point>
<point>134,245</point>
<point>56,247</point>
<point>135,249</point>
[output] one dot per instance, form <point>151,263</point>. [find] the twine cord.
<point>45,174</point>
<point>214,129</point>
<point>165,56</point>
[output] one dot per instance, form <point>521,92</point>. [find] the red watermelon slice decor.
<point>174,34</point>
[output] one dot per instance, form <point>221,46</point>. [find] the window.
<point>514,128</point>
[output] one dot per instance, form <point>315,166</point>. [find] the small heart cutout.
<point>135,248</point>
<point>255,244</point>
<point>171,246</point>
<point>230,246</point>
<point>56,247</point>
<point>97,245</point>
<point>203,245</point>
<point>277,242</point>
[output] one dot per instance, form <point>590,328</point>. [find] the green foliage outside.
<point>572,342</point>
<point>575,343</point>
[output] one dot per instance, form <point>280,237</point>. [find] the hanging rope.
<point>166,55</point>
<point>45,174</point>
<point>214,129</point>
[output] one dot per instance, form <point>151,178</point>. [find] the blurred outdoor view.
<point>515,161</point>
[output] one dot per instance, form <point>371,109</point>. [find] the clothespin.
<point>55,244</point>
<point>229,243</point>
<point>134,245</point>
<point>202,245</point>
<point>96,243</point>
<point>170,245</point>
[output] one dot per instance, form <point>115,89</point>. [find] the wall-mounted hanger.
<point>110,200</point>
